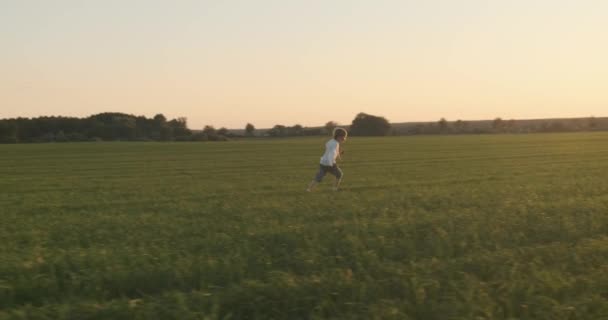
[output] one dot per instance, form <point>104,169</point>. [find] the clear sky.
<point>226,63</point>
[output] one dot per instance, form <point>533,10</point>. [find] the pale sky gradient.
<point>226,63</point>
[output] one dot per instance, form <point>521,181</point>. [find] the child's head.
<point>340,134</point>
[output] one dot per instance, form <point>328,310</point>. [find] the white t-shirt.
<point>332,150</point>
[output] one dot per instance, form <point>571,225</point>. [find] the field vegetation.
<point>425,227</point>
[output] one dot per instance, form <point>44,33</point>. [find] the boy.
<point>328,160</point>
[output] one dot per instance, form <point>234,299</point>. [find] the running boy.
<point>328,161</point>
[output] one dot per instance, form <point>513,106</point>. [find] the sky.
<point>266,62</point>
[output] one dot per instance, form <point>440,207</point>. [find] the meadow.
<point>425,227</point>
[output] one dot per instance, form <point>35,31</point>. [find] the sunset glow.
<point>276,62</point>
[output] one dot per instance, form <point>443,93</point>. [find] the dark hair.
<point>339,132</point>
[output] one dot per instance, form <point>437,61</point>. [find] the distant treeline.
<point>369,125</point>
<point>362,125</point>
<point>99,127</point>
<point>124,127</point>
<point>500,125</point>
<point>113,126</point>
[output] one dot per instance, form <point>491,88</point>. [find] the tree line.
<point>112,126</point>
<point>108,126</point>
<point>363,125</point>
<point>499,125</point>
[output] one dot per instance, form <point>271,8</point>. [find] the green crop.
<point>425,227</point>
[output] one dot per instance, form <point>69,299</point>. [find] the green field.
<point>426,227</point>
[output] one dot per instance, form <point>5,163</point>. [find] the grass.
<point>425,227</point>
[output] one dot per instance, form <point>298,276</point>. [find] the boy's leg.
<point>337,184</point>
<point>338,173</point>
<point>317,179</point>
<point>312,184</point>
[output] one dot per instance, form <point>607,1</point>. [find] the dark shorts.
<point>323,170</point>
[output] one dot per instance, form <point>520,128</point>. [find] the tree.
<point>369,125</point>
<point>223,132</point>
<point>311,132</point>
<point>278,131</point>
<point>60,137</point>
<point>209,130</point>
<point>179,129</point>
<point>443,125</point>
<point>8,131</point>
<point>510,125</point>
<point>330,126</point>
<point>498,125</point>
<point>296,130</point>
<point>460,126</point>
<point>249,129</point>
<point>160,118</point>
